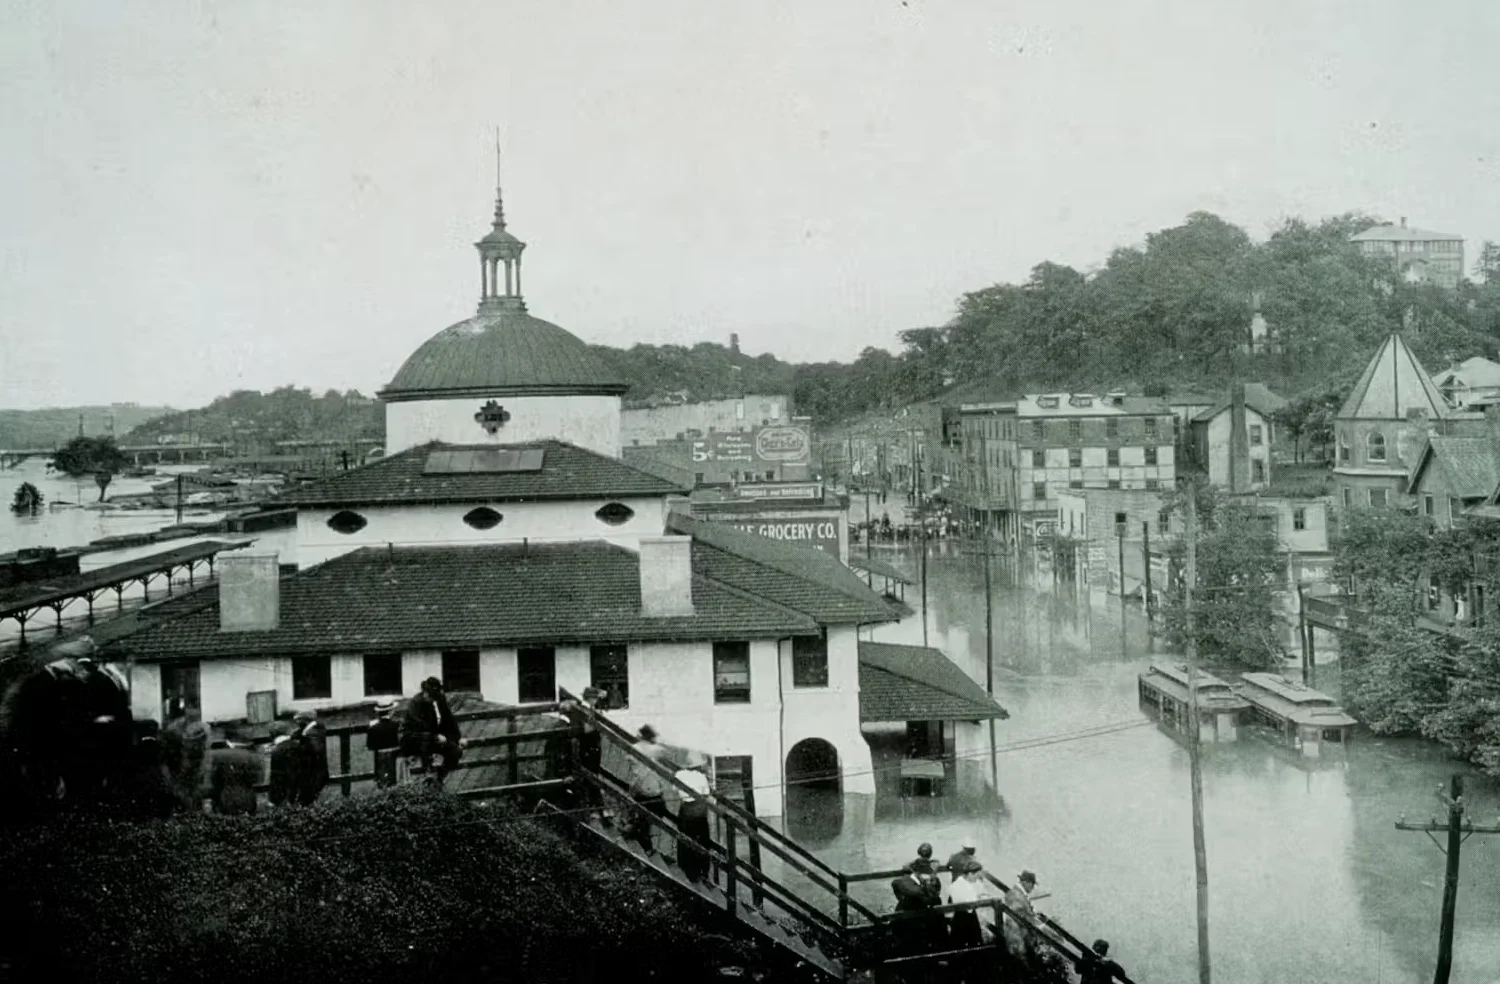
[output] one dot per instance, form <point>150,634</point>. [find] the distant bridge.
<point>156,454</point>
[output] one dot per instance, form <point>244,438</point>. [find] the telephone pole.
<point>1195,734</point>
<point>922,522</point>
<point>1458,832</point>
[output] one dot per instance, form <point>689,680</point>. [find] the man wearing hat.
<point>315,756</point>
<point>429,730</point>
<point>1018,900</point>
<point>383,739</point>
<point>960,860</point>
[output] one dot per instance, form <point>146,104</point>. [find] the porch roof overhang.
<point>918,683</point>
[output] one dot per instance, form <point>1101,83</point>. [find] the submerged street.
<point>1309,879</point>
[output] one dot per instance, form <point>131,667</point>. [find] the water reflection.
<point>1309,879</point>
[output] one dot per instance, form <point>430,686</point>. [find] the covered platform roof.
<point>918,683</point>
<point>26,598</point>
<point>879,569</point>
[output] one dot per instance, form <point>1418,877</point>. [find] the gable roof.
<point>1390,232</point>
<point>381,599</point>
<point>567,472</point>
<point>1393,383</point>
<point>800,577</point>
<point>1470,374</point>
<point>918,683</point>
<point>1209,414</point>
<point>1459,467</point>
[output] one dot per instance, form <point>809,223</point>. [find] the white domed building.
<point>502,545</point>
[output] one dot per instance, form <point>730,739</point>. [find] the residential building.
<point>496,553</point>
<point>1213,437</point>
<point>1382,427</point>
<point>1020,455</point>
<point>644,426</point>
<point>1453,475</point>
<point>1472,383</point>
<point>1418,255</point>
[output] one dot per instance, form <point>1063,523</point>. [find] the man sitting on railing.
<point>429,731</point>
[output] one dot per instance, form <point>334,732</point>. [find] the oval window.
<point>483,518</point>
<point>615,514</point>
<point>347,522</point>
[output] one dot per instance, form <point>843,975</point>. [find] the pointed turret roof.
<point>1393,384</point>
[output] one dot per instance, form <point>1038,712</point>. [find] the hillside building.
<point>1418,255</point>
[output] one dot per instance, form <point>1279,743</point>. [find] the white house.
<point>507,549</point>
<point>1213,431</point>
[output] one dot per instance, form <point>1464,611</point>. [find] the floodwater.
<point>75,527</point>
<point>1309,880</point>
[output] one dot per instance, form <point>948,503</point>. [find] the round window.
<point>483,518</point>
<point>615,514</point>
<point>346,522</point>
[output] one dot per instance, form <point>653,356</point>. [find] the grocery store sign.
<point>820,533</point>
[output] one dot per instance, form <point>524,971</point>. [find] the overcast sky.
<point>197,197</point>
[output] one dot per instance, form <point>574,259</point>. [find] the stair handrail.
<point>818,922</point>
<point>750,825</point>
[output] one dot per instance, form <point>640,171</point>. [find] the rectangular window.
<point>1299,518</point>
<point>1256,437</point>
<point>1039,490</point>
<point>1152,485</point>
<point>1427,505</point>
<point>1348,498</point>
<point>1151,428</point>
<point>1039,459</point>
<point>1075,483</point>
<point>1120,520</point>
<point>1379,497</point>
<point>731,673</point>
<point>1344,452</point>
<point>312,678</point>
<point>1112,457</point>
<point>461,671</point>
<point>810,661</point>
<point>1075,432</point>
<point>1455,509</point>
<point>609,670</point>
<point>1112,428</point>
<point>1163,522</point>
<point>1150,456</point>
<point>536,675</point>
<point>382,674</point>
<point>1257,470</point>
<point>1038,430</point>
<point>1113,483</point>
<point>1075,458</point>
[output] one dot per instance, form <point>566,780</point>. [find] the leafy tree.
<point>1240,571</point>
<point>27,500</point>
<point>96,456</point>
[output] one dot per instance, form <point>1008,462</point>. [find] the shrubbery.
<point>398,884</point>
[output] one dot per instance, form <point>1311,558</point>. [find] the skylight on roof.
<point>483,461</point>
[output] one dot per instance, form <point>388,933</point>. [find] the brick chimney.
<point>249,592</point>
<point>1403,222</point>
<point>1239,442</point>
<point>666,576</point>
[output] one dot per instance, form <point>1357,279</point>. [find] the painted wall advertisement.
<point>782,444</point>
<point>820,533</point>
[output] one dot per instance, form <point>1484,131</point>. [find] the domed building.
<point>503,376</point>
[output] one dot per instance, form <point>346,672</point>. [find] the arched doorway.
<point>814,791</point>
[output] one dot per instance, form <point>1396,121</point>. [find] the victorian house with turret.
<point>504,546</point>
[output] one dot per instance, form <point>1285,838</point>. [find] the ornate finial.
<point>499,204</point>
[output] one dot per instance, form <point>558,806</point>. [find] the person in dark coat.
<point>288,759</point>
<point>693,821</point>
<point>314,775</point>
<point>1099,969</point>
<point>913,933</point>
<point>185,747</point>
<point>430,732</point>
<point>383,739</point>
<point>234,771</point>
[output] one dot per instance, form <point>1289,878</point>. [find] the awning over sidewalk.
<point>918,683</point>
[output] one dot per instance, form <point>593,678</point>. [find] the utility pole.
<point>1146,558</point>
<point>922,523</point>
<point>179,498</point>
<point>1458,832</point>
<point>989,662</point>
<point>1195,735</point>
<point>1120,537</point>
<point>1302,630</point>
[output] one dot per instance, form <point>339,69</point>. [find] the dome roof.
<point>503,353</point>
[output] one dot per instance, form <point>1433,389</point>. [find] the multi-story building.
<point>1419,255</point>
<point>1472,383</point>
<point>1107,539</point>
<point>644,426</point>
<point>1213,446</point>
<point>1383,426</point>
<point>1017,456</point>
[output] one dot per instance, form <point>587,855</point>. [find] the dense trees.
<point>255,421</point>
<point>1401,676</point>
<point>96,456</point>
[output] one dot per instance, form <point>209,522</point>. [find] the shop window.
<point>536,674</point>
<point>312,678</point>
<point>382,674</point>
<point>461,671</point>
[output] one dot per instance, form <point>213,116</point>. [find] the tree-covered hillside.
<point>1174,310</point>
<point>54,426</point>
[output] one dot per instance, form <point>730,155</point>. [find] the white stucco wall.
<point>671,688</point>
<point>591,422</point>
<point>539,522</point>
<point>1219,431</point>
